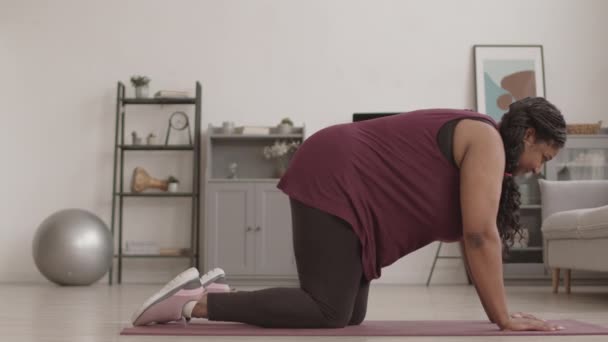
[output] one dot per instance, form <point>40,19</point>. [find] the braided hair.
<point>550,127</point>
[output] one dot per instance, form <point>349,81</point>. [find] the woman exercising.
<point>365,194</point>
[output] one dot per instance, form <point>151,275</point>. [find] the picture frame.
<point>505,74</point>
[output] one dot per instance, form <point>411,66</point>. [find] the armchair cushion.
<point>594,223</point>
<point>559,196</point>
<point>589,223</point>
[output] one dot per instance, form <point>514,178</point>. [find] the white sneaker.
<point>173,301</point>
<point>215,281</point>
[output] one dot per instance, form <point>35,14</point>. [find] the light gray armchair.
<point>575,227</point>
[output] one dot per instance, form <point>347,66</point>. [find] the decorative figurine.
<point>135,139</point>
<point>233,168</point>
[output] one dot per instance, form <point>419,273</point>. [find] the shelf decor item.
<point>135,140</point>
<point>285,126</point>
<point>522,239</point>
<point>172,184</point>
<point>227,127</point>
<point>151,139</point>
<point>135,247</point>
<point>584,128</point>
<point>142,181</point>
<point>233,169</point>
<point>171,94</point>
<point>174,251</point>
<point>255,130</point>
<point>281,152</point>
<point>178,121</point>
<point>505,74</point>
<point>141,86</point>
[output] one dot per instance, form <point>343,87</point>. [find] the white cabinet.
<point>248,230</point>
<point>230,215</point>
<point>273,238</point>
<point>247,219</point>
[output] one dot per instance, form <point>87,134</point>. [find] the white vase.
<point>141,92</point>
<point>285,128</point>
<point>281,166</point>
<point>228,127</point>
<point>172,187</point>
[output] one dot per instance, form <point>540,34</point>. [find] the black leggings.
<point>333,290</point>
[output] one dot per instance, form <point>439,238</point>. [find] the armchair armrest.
<point>569,195</point>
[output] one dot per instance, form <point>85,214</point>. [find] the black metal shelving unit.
<point>118,194</point>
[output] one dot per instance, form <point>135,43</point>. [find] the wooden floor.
<point>49,313</point>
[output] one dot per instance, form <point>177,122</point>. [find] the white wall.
<point>315,61</point>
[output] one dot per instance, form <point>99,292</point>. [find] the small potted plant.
<point>151,139</point>
<point>172,184</point>
<point>141,86</point>
<point>285,126</point>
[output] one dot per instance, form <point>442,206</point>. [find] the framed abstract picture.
<point>505,74</point>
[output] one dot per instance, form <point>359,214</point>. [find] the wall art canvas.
<point>505,74</point>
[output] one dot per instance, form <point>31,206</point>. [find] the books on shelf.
<point>174,251</point>
<point>171,94</point>
<point>151,248</point>
<point>141,248</point>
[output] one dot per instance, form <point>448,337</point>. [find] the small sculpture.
<point>233,168</point>
<point>141,181</point>
<point>135,139</point>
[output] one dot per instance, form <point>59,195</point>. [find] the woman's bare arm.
<point>481,170</point>
<point>482,164</point>
<point>467,268</point>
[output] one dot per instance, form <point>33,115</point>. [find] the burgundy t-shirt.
<point>387,178</point>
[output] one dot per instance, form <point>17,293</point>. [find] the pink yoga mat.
<point>368,328</point>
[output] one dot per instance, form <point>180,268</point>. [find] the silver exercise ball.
<point>73,247</point>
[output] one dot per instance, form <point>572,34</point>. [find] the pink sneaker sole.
<point>168,303</point>
<point>169,309</point>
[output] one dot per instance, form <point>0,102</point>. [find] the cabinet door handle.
<point>257,229</point>
<point>248,229</point>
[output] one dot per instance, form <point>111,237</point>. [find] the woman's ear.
<point>530,136</point>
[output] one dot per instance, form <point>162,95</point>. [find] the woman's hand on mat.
<point>525,315</point>
<point>526,324</point>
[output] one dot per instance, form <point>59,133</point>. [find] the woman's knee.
<point>345,319</point>
<point>357,320</point>
<point>336,317</point>
<point>357,317</point>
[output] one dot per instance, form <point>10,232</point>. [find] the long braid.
<point>550,126</point>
